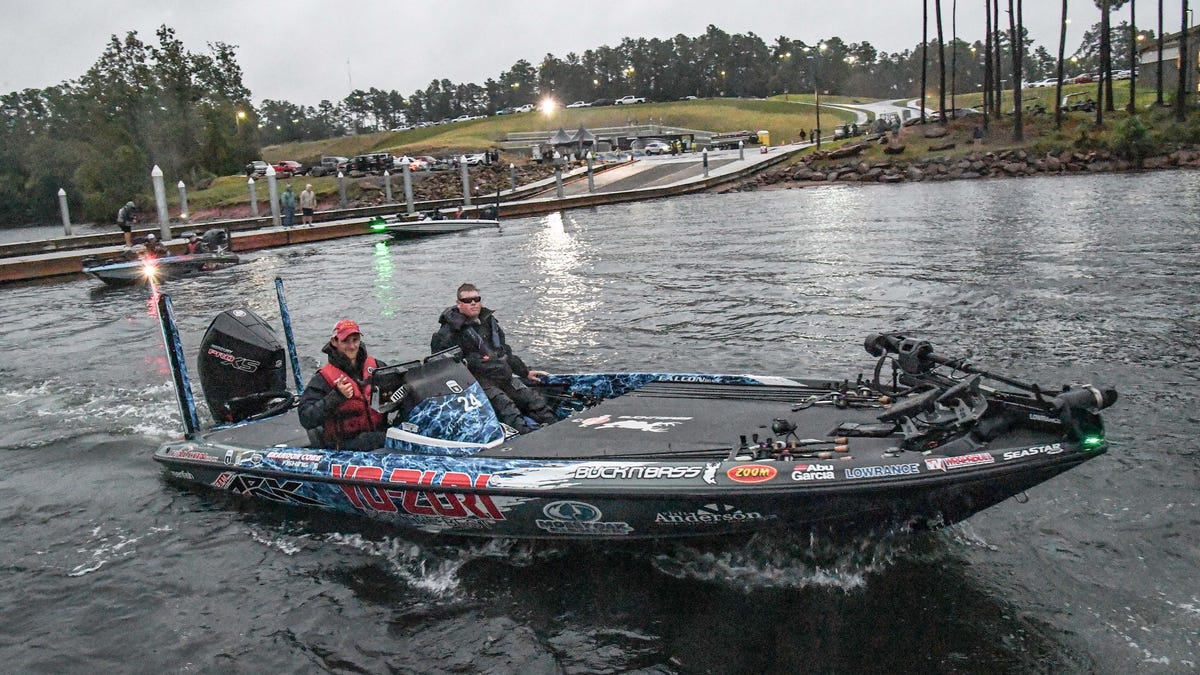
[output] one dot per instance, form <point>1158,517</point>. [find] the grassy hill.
<point>783,118</point>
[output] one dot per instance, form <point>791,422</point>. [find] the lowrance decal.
<point>883,471</point>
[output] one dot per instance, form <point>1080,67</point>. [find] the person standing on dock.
<point>308,204</point>
<point>288,201</point>
<point>126,217</point>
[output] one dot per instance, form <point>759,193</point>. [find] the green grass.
<point>783,119</point>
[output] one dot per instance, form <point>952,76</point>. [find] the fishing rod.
<point>287,332</point>
<point>179,375</point>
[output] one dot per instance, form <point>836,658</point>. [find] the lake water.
<point>108,568</point>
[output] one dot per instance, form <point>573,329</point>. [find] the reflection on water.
<point>385,291</point>
<point>565,297</point>
<point>1052,280</point>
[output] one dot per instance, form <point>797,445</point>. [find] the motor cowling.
<point>242,366</point>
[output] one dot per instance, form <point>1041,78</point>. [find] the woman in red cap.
<point>338,398</point>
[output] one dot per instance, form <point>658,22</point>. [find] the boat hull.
<point>130,272</point>
<point>617,498</point>
<point>426,228</point>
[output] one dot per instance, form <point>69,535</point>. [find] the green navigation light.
<point>1093,442</point>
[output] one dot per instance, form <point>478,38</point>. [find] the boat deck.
<point>692,421</point>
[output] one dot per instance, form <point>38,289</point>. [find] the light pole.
<point>816,57</point>
<point>786,58</point>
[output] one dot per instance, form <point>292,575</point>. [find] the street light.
<point>241,115</point>
<point>785,57</point>
<point>816,57</point>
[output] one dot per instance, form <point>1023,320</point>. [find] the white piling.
<point>62,209</point>
<point>273,195</point>
<point>160,201</point>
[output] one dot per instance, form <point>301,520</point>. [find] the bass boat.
<point>125,272</point>
<point>923,441</point>
<point>129,268</point>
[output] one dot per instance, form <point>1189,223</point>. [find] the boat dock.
<point>635,180</point>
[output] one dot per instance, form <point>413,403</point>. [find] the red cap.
<point>345,328</point>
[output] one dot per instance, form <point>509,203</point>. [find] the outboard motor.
<point>215,240</point>
<point>440,405</point>
<point>242,370</point>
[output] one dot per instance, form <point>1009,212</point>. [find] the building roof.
<point>561,137</point>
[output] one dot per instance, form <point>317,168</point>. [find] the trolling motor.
<point>1077,407</point>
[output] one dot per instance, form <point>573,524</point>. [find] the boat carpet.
<point>690,421</point>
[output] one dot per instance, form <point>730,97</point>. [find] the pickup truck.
<point>329,166</point>
<point>630,100</point>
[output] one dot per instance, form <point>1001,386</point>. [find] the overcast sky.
<point>304,51</point>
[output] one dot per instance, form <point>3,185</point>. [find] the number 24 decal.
<point>469,402</point>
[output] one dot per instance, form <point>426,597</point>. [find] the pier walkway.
<point>641,178</point>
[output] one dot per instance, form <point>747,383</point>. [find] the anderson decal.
<point>709,513</point>
<point>752,473</point>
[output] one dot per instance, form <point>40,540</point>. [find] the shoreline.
<point>1014,163</point>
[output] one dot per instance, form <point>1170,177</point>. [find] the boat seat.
<point>316,437</point>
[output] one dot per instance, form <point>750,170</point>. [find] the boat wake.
<point>795,560</point>
<point>105,548</point>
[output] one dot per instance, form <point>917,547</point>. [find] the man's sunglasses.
<point>471,301</point>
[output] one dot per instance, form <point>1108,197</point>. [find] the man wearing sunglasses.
<point>474,328</point>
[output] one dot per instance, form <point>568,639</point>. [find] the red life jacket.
<point>355,415</point>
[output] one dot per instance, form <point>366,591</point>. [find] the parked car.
<point>371,162</point>
<point>528,107</point>
<point>328,166</point>
<point>630,100</point>
<point>600,102</point>
<point>1084,78</point>
<point>288,168</point>
<point>578,104</point>
<point>462,118</point>
<point>435,164</point>
<point>257,168</point>
<point>657,147</point>
<point>475,159</point>
<point>414,163</point>
<point>504,111</point>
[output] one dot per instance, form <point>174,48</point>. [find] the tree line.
<point>144,104</point>
<point>715,64</point>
